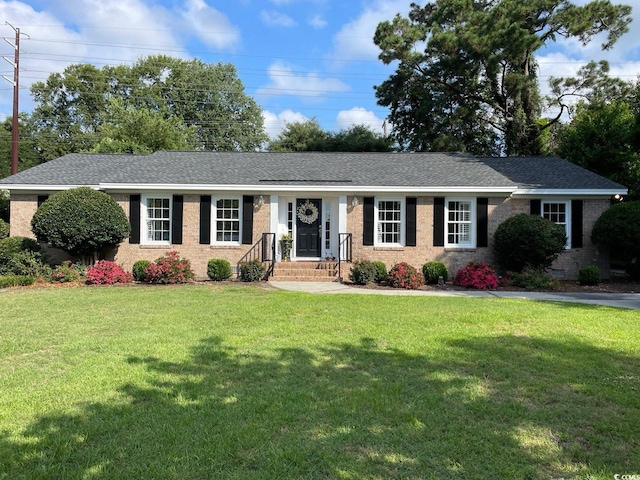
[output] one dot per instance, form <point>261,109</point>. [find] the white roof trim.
<point>45,188</point>
<point>344,188</point>
<point>572,192</point>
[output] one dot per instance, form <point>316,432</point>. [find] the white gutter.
<point>345,188</point>
<point>572,192</point>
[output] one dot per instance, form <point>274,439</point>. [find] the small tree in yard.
<point>528,241</point>
<point>83,222</point>
<point>618,228</point>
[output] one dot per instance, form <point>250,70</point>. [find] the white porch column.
<point>342,214</point>
<point>273,216</point>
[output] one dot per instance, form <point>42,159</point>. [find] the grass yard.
<point>240,382</point>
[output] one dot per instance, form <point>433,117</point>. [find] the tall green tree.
<point>140,130</point>
<point>308,136</point>
<point>72,106</point>
<point>467,70</point>
<point>605,138</point>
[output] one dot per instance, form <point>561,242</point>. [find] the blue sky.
<point>299,59</point>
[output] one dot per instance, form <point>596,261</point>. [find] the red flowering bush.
<point>107,273</point>
<point>477,275</point>
<point>403,275</point>
<point>169,269</point>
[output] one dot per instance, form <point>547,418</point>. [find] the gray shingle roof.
<point>548,173</point>
<point>421,170</point>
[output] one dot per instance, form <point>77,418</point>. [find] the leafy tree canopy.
<point>605,138</point>
<point>72,107</point>
<point>308,136</point>
<point>467,76</point>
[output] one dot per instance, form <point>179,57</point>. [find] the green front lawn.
<point>239,382</point>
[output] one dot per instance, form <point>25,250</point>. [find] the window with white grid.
<point>558,213</point>
<point>389,225</point>
<point>158,220</point>
<point>459,217</point>
<point>227,224</point>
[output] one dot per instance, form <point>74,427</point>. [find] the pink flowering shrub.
<point>477,275</point>
<point>403,275</point>
<point>169,269</point>
<point>65,272</point>
<point>107,273</point>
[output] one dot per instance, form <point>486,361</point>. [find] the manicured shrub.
<point>532,279</point>
<point>363,272</point>
<point>381,271</point>
<point>477,275</point>
<point>528,241</point>
<point>618,228</point>
<point>589,275</point>
<point>66,272</point>
<point>403,275</point>
<point>433,270</point>
<point>252,271</point>
<point>81,221</point>
<point>106,272</point>
<point>4,229</point>
<point>219,269</point>
<point>169,268</point>
<point>11,245</point>
<point>7,281</point>
<point>139,267</point>
<point>27,263</point>
<point>5,202</point>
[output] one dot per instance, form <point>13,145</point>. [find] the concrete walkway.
<point>622,300</point>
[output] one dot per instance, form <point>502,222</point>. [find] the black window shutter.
<point>535,207</point>
<point>367,221</point>
<point>205,219</point>
<point>483,222</point>
<point>410,233</point>
<point>438,222</point>
<point>176,220</point>
<point>576,223</point>
<point>134,219</point>
<point>42,199</point>
<point>247,219</point>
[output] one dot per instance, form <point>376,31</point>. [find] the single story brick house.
<point>392,207</point>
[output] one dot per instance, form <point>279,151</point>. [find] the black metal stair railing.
<point>263,250</point>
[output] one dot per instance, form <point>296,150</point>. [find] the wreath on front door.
<point>307,212</point>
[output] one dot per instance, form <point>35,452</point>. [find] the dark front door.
<point>308,227</point>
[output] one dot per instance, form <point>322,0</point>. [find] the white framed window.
<point>460,214</point>
<point>559,212</point>
<point>157,220</point>
<point>226,226</point>
<point>389,222</point>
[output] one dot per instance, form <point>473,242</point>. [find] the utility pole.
<point>16,88</point>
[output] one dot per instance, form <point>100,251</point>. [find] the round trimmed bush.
<point>219,269</point>
<point>528,241</point>
<point>381,271</point>
<point>618,228</point>
<point>139,270</point>
<point>433,270</point>
<point>81,221</point>
<point>589,275</point>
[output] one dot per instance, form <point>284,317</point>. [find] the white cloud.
<point>355,39</point>
<point>211,26</point>
<point>275,123</point>
<point>309,87</point>
<point>318,22</point>
<point>272,18</point>
<point>359,116</point>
